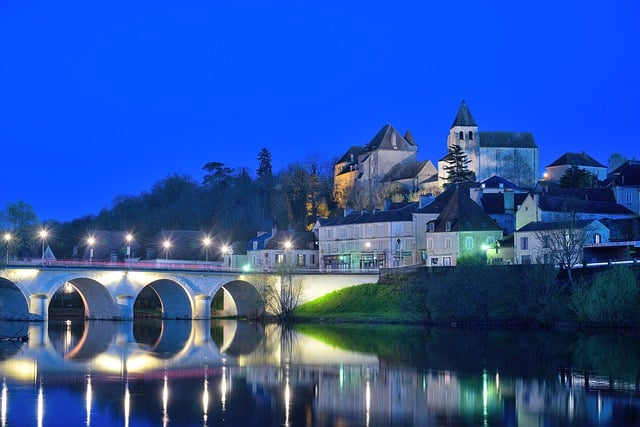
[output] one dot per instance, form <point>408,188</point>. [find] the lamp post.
<point>287,246</point>
<point>7,238</point>
<point>166,245</point>
<point>206,242</point>
<point>129,239</point>
<point>91,241</point>
<point>227,251</point>
<point>43,236</point>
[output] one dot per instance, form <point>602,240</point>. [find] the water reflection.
<point>206,373</point>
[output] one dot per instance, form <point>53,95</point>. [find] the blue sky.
<point>99,99</point>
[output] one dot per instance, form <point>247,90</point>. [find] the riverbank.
<point>522,295</point>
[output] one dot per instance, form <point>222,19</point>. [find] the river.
<point>234,373</point>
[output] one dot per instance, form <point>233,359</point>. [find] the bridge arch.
<point>98,301</point>
<point>13,303</point>
<point>175,300</point>
<point>245,296</point>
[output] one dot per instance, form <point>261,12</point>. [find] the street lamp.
<point>43,235</point>
<point>228,251</point>
<point>129,239</point>
<point>7,238</point>
<point>287,246</point>
<point>91,241</point>
<point>166,245</point>
<point>206,242</point>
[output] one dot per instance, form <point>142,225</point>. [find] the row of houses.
<point>495,218</point>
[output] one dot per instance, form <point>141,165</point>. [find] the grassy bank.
<point>533,294</point>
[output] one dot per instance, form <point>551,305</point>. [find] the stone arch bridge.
<point>110,293</point>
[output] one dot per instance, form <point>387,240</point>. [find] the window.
<point>430,244</point>
<point>461,135</point>
<point>446,260</point>
<point>597,238</point>
<point>301,260</point>
<point>491,240</point>
<point>524,243</point>
<point>629,199</point>
<point>431,227</point>
<point>468,242</point>
<point>312,259</point>
<point>447,243</point>
<point>255,246</point>
<point>470,135</point>
<point>280,259</point>
<point>447,226</point>
<point>525,259</point>
<point>434,261</point>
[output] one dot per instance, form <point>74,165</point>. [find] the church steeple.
<point>464,117</point>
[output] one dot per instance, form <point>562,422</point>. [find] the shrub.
<point>612,296</point>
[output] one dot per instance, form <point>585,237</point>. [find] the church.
<point>510,155</point>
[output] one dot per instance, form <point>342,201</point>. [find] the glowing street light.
<point>228,251</point>
<point>166,245</point>
<point>43,235</point>
<point>129,239</point>
<point>7,238</point>
<point>206,242</point>
<point>91,241</point>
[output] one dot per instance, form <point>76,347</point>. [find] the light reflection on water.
<point>181,373</point>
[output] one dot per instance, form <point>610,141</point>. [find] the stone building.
<point>511,155</point>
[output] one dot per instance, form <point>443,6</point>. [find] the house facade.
<point>368,240</point>
<point>461,229</point>
<point>557,168</point>
<point>297,249</point>
<point>625,183</point>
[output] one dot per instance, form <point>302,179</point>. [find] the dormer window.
<point>447,226</point>
<point>431,227</point>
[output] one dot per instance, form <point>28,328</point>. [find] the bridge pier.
<point>125,305</point>
<point>202,307</point>
<point>39,306</point>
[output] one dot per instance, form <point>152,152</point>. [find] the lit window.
<point>597,238</point>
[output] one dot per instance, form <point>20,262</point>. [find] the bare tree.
<point>562,242</point>
<point>282,297</point>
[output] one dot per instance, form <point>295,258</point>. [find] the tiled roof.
<point>499,182</point>
<point>260,240</point>
<point>493,203</point>
<point>506,139</point>
<point>562,204</point>
<point>592,194</point>
<point>578,159</point>
<point>404,171</point>
<point>438,204</point>
<point>558,225</point>
<point>463,117</point>
<point>298,240</point>
<point>392,215</point>
<point>627,229</point>
<point>626,174</point>
<point>463,214</point>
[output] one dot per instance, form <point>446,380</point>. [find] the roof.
<point>506,139</point>
<point>437,205</point>
<point>578,159</point>
<point>464,117</point>
<point>623,230</point>
<point>364,217</point>
<point>592,194</point>
<point>261,240</point>
<point>493,203</point>
<point>562,204</point>
<point>405,171</point>
<point>557,225</point>
<point>499,182</point>
<point>627,174</point>
<point>463,214</point>
<point>297,239</point>
<point>389,139</point>
<point>354,151</point>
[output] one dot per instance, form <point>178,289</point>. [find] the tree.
<point>563,243</point>
<point>20,220</point>
<point>264,163</point>
<point>576,177</point>
<point>616,160</point>
<point>281,299</point>
<point>217,173</point>
<point>457,171</point>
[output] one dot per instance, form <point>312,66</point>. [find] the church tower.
<point>464,132</point>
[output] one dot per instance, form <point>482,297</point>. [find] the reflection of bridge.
<point>112,348</point>
<point>110,293</point>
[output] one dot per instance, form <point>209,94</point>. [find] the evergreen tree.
<point>264,163</point>
<point>576,177</point>
<point>457,171</point>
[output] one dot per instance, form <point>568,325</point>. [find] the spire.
<point>463,118</point>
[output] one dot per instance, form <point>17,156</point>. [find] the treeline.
<point>228,204</point>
